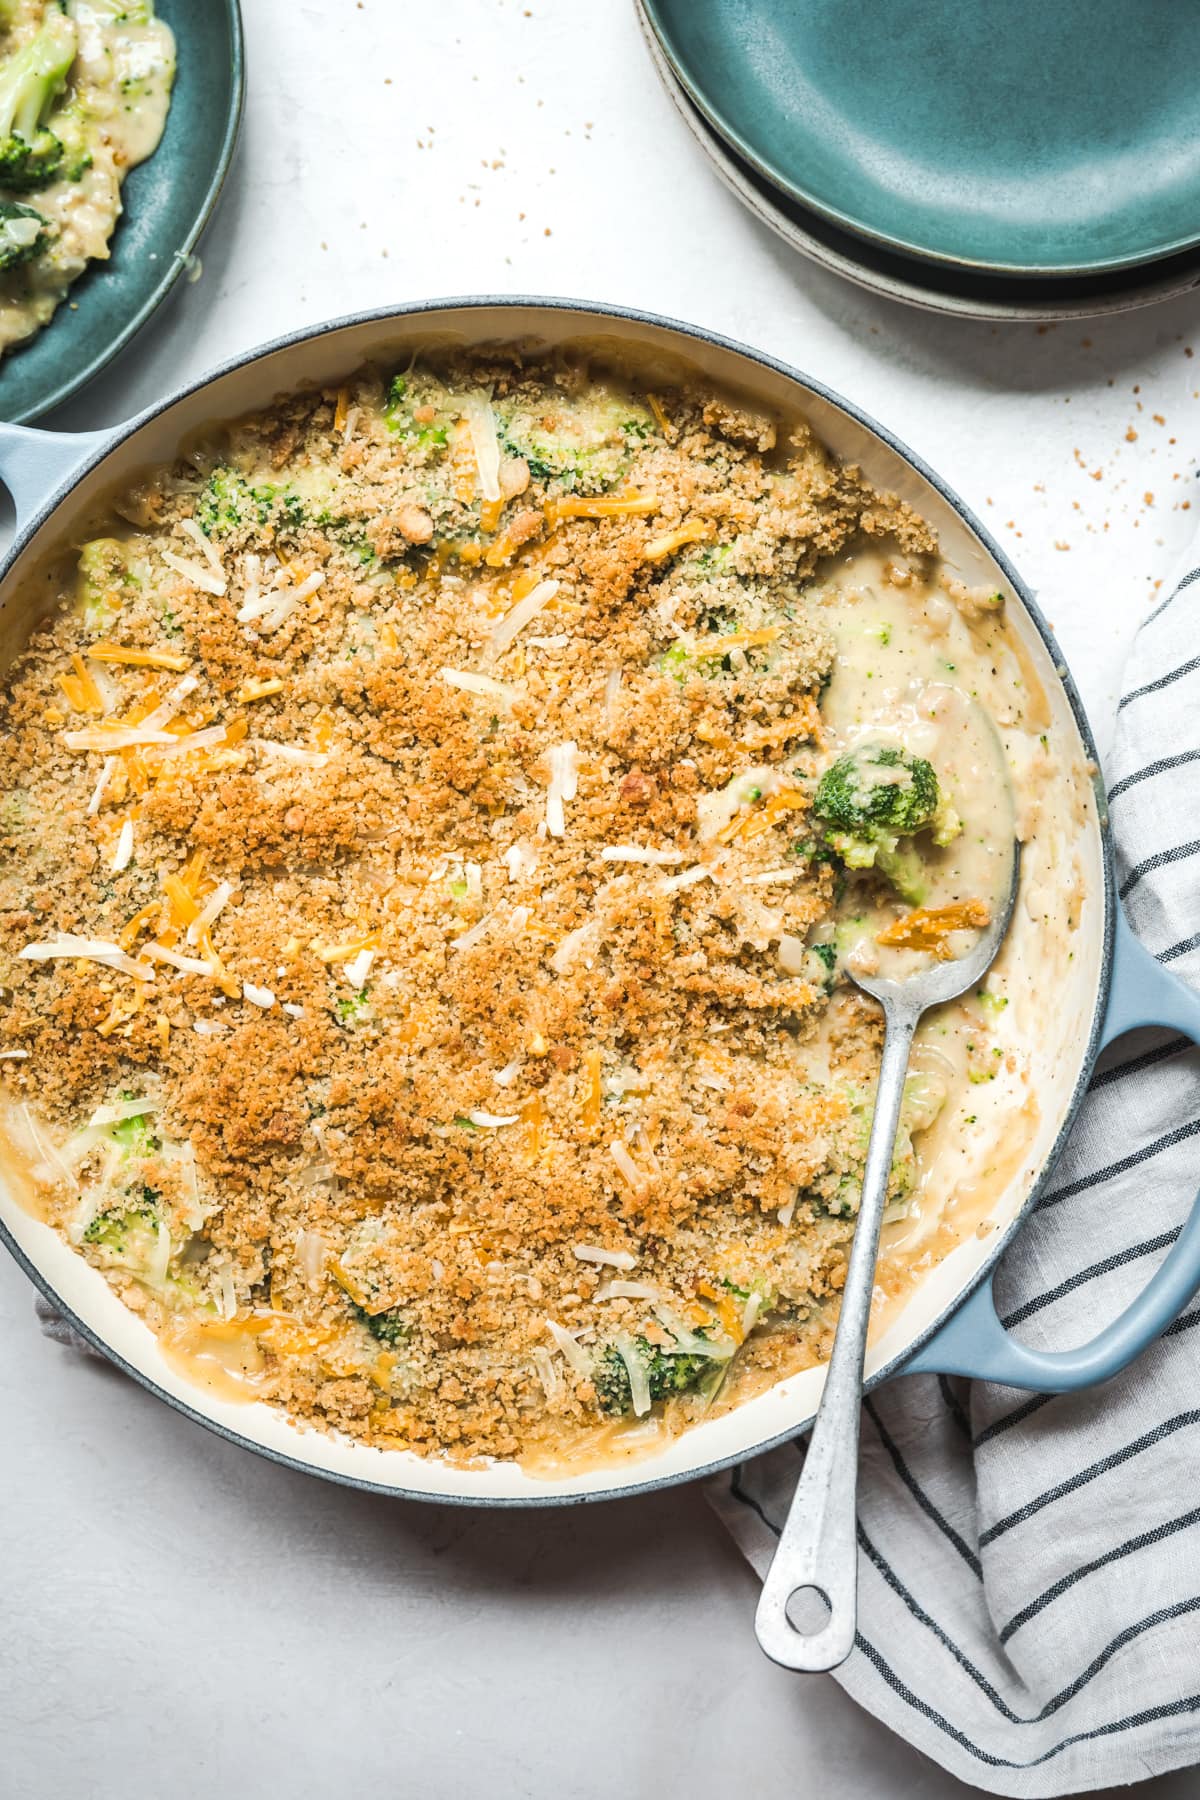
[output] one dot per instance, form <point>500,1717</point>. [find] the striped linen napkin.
<point>1029,1567</point>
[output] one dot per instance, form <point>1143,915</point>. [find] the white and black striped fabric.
<point>1029,1567</point>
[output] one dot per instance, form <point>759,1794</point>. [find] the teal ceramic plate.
<point>1031,137</point>
<point>168,200</point>
<point>935,287</point>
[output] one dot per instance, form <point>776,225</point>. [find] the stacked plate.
<point>1017,161</point>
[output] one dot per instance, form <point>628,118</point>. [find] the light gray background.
<point>181,1618</point>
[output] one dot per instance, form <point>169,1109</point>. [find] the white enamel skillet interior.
<point>56,482</point>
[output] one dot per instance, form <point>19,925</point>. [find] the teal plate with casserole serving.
<point>168,200</point>
<point>1031,137</point>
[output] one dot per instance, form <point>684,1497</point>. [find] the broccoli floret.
<point>877,789</point>
<point>874,797</point>
<point>32,156</point>
<point>24,234</point>
<point>811,850</point>
<point>136,1136</point>
<point>666,1372</point>
<point>390,1327</point>
<point>70,128</point>
<point>585,450</point>
<point>404,395</point>
<point>229,502</point>
<point>104,569</point>
<point>839,1193</point>
<point>353,1008</point>
<point>127,1231</point>
<point>825,962</point>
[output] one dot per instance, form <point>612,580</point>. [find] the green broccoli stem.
<point>31,79</point>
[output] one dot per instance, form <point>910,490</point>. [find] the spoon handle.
<point>817,1549</point>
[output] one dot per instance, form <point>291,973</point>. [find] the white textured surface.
<point>180,1617</point>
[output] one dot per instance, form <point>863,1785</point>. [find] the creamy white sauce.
<point>935,669</point>
<point>122,77</point>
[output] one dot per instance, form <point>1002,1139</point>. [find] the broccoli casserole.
<point>84,92</point>
<point>437,813</point>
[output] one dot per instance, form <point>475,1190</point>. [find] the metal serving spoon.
<point>816,1562</point>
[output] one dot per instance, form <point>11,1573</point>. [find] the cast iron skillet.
<point>949,1324</point>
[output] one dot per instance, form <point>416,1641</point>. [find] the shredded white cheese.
<point>311,1251</point>
<point>579,1360</point>
<point>492,1121</point>
<point>206,549</point>
<point>616,1259</point>
<point>108,737</point>
<point>67,946</point>
<point>170,703</point>
<point>635,1368</point>
<point>257,996</point>
<point>553,1385</point>
<point>106,775</point>
<point>208,739</point>
<point>187,965</point>
<point>626,1290</point>
<point>508,1074</point>
<point>110,690</point>
<point>123,854</point>
<point>636,1178</point>
<point>196,573</point>
<point>639,853</point>
<point>481,422</point>
<point>471,683</point>
<point>564,785</point>
<point>149,730</point>
<point>571,946</point>
<point>274,607</point>
<point>766,876</point>
<point>122,1109</point>
<point>698,872</point>
<point>291,1009</point>
<point>470,938</point>
<point>210,911</point>
<point>51,1166</point>
<point>357,970</point>
<point>521,614</point>
<point>520,860</point>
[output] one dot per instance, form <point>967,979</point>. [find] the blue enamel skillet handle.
<point>34,465</point>
<point>974,1342</point>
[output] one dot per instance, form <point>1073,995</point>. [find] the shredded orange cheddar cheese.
<point>928,927</point>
